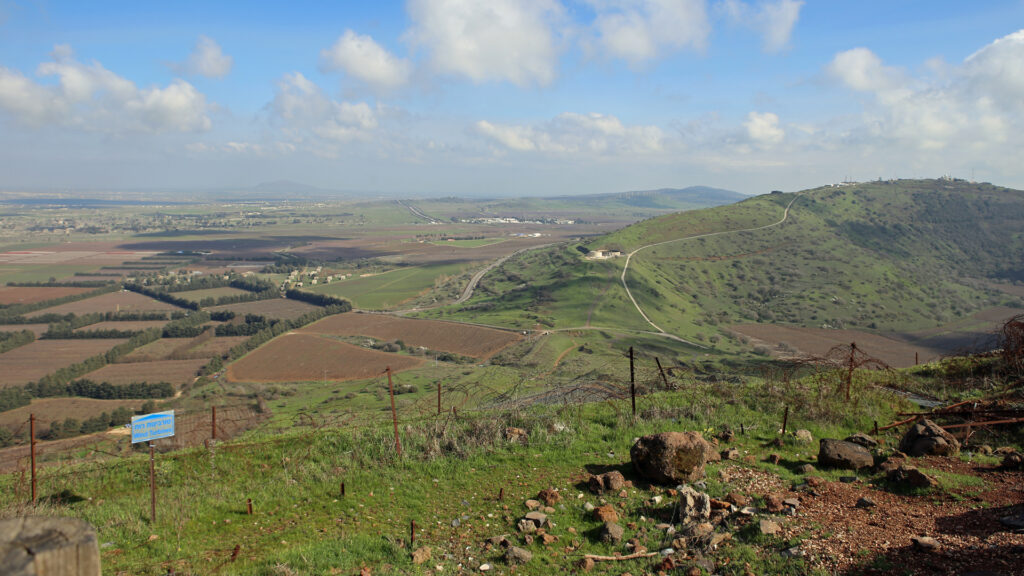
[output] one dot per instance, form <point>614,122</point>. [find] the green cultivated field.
<point>390,289</point>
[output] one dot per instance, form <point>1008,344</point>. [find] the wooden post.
<point>152,482</point>
<point>32,434</point>
<point>213,425</point>
<point>438,397</point>
<point>916,358</point>
<point>849,372</point>
<point>632,381</point>
<point>664,378</point>
<point>785,420</point>
<point>412,534</point>
<point>394,414</point>
<point>55,546</point>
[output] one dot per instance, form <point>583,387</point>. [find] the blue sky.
<point>508,97</point>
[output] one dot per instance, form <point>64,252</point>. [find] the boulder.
<point>421,555</point>
<point>670,457</point>
<point>863,439</point>
<point>843,454</point>
<point>549,497</point>
<point>694,506</point>
<point>606,513</point>
<point>910,476</point>
<point>804,435</point>
<point>516,555</point>
<point>926,438</point>
<point>611,532</point>
<point>1013,461</point>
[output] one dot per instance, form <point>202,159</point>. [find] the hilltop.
<point>887,257</point>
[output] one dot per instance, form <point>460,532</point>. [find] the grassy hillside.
<point>898,256</point>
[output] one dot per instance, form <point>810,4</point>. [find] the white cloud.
<point>975,105</point>
<point>362,58</point>
<point>207,59</point>
<point>773,20</point>
<point>306,113</point>
<point>90,97</point>
<point>763,129</point>
<point>576,134</point>
<point>493,41</point>
<point>641,30</point>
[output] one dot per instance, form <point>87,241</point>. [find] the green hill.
<point>893,256</point>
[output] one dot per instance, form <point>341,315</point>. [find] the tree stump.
<point>37,546</point>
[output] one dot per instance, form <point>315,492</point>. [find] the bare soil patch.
<point>297,357</point>
<point>122,301</point>
<point>37,359</point>
<point>176,372</point>
<point>182,349</point>
<point>464,339</point>
<point>274,308</point>
<point>795,341</point>
<point>197,295</point>
<point>32,294</point>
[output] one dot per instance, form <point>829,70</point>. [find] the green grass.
<point>393,288</point>
<point>449,469</point>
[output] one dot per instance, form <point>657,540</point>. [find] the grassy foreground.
<point>447,481</point>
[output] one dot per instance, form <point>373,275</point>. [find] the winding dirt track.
<point>625,268</point>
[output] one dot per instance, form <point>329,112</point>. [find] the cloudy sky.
<point>521,97</point>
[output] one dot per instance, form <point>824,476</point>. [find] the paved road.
<point>629,257</point>
<point>467,293</point>
<point>417,212</point>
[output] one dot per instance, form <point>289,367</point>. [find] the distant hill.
<point>667,198</point>
<point>892,256</point>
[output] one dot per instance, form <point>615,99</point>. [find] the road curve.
<point>467,293</point>
<point>625,268</point>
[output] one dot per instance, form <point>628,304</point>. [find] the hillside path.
<point>467,293</point>
<point>625,268</point>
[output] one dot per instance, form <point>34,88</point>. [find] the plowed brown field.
<point>49,410</point>
<point>273,308</point>
<point>464,339</point>
<point>111,302</point>
<point>33,294</point>
<point>818,341</point>
<point>299,357</point>
<point>33,361</point>
<point>176,372</point>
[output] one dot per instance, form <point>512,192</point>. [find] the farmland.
<point>274,308</point>
<point>49,410</point>
<point>176,372</point>
<point>35,360</point>
<point>467,340</point>
<point>198,295</point>
<point>33,294</point>
<point>37,329</point>
<point>788,341</point>
<point>122,301</point>
<point>182,349</point>
<point>391,289</point>
<point>305,357</point>
<point>124,326</point>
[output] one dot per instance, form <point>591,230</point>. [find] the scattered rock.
<point>890,464</point>
<point>606,513</point>
<point>910,476</point>
<point>768,527</point>
<point>548,539</point>
<point>525,526</point>
<point>515,556</point>
<point>726,435</point>
<point>737,499</point>
<point>847,479</point>
<point>730,454</point>
<point>539,519</point>
<point>623,494</point>
<point>585,564</point>
<point>670,457</point>
<point>865,502</point>
<point>421,555</point>
<point>548,510</point>
<point>611,532</point>
<point>611,481</point>
<point>549,497</point>
<point>792,502</point>
<point>985,450</point>
<point>844,455</point>
<point>926,438</point>
<point>532,504</point>
<point>794,552</point>
<point>456,523</point>
<point>636,545</point>
<point>656,500</point>
<point>773,459</point>
<point>804,436</point>
<point>588,507</point>
<point>773,503</point>
<point>748,511</point>
<point>515,434</point>
<point>1013,461</point>
<point>1016,522</point>
<point>806,469</point>
<point>863,439</point>
<point>815,481</point>
<point>720,504</point>
<point>719,537</point>
<point>485,567</point>
<point>926,543</point>
<point>702,530</point>
<point>496,541</point>
<point>694,506</point>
